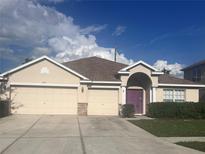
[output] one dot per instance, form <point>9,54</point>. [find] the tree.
<point>166,71</point>
<point>3,90</point>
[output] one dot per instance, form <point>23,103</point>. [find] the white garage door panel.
<point>103,102</point>
<point>43,100</point>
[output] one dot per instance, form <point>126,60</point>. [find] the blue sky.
<point>154,30</point>
<point>150,31</point>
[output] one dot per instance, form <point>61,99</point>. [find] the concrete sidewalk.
<point>60,134</point>
<point>183,139</point>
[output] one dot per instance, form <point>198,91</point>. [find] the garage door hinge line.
<point>4,150</point>
<point>81,137</point>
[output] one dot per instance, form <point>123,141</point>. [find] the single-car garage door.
<point>103,102</point>
<point>44,100</point>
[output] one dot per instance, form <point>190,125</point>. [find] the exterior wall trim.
<point>153,73</point>
<point>104,87</point>
<point>157,73</point>
<point>108,82</point>
<point>154,94</point>
<point>101,82</point>
<point>85,81</point>
<point>137,63</point>
<point>151,96</point>
<point>39,59</point>
<point>45,85</point>
<point>180,85</point>
<point>123,72</point>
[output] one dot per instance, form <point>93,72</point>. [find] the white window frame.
<point>174,99</point>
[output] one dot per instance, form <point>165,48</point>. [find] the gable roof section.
<point>138,63</point>
<point>44,58</point>
<point>168,80</point>
<point>96,69</point>
<point>202,62</point>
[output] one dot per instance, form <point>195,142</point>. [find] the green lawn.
<point>172,128</point>
<point>194,145</point>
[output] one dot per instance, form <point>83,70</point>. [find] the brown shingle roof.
<point>202,62</point>
<point>168,79</point>
<point>96,69</point>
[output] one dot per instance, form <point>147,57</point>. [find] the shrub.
<point>176,110</point>
<point>128,110</point>
<point>4,108</point>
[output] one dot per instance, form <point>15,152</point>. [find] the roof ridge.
<point>109,60</point>
<point>95,57</point>
<point>78,59</point>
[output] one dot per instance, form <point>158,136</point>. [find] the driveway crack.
<point>3,151</point>
<point>81,137</point>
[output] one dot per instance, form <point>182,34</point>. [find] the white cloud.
<point>93,29</point>
<point>37,30</point>
<point>8,54</point>
<point>55,1</point>
<point>38,51</point>
<point>119,30</point>
<point>48,1</point>
<point>175,69</point>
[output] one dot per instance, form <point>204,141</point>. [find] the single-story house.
<point>92,86</point>
<point>2,87</point>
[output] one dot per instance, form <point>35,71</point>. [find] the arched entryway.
<point>138,91</point>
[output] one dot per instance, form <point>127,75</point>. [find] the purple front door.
<point>135,97</point>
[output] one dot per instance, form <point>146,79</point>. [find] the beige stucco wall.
<point>124,79</point>
<point>83,94</point>
<point>159,94</point>
<point>32,74</point>
<point>120,96</point>
<point>191,95</point>
<point>142,69</point>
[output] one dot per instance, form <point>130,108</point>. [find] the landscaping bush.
<point>4,108</point>
<point>176,110</point>
<point>128,110</point>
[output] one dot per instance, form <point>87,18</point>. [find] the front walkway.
<point>34,134</point>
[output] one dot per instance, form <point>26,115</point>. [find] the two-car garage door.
<point>44,100</point>
<point>56,100</point>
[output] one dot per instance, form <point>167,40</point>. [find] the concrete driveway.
<point>61,134</point>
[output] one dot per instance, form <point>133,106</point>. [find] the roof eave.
<point>137,63</point>
<point>100,82</point>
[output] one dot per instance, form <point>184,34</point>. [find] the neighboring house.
<point>92,86</point>
<point>1,78</point>
<point>196,73</point>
